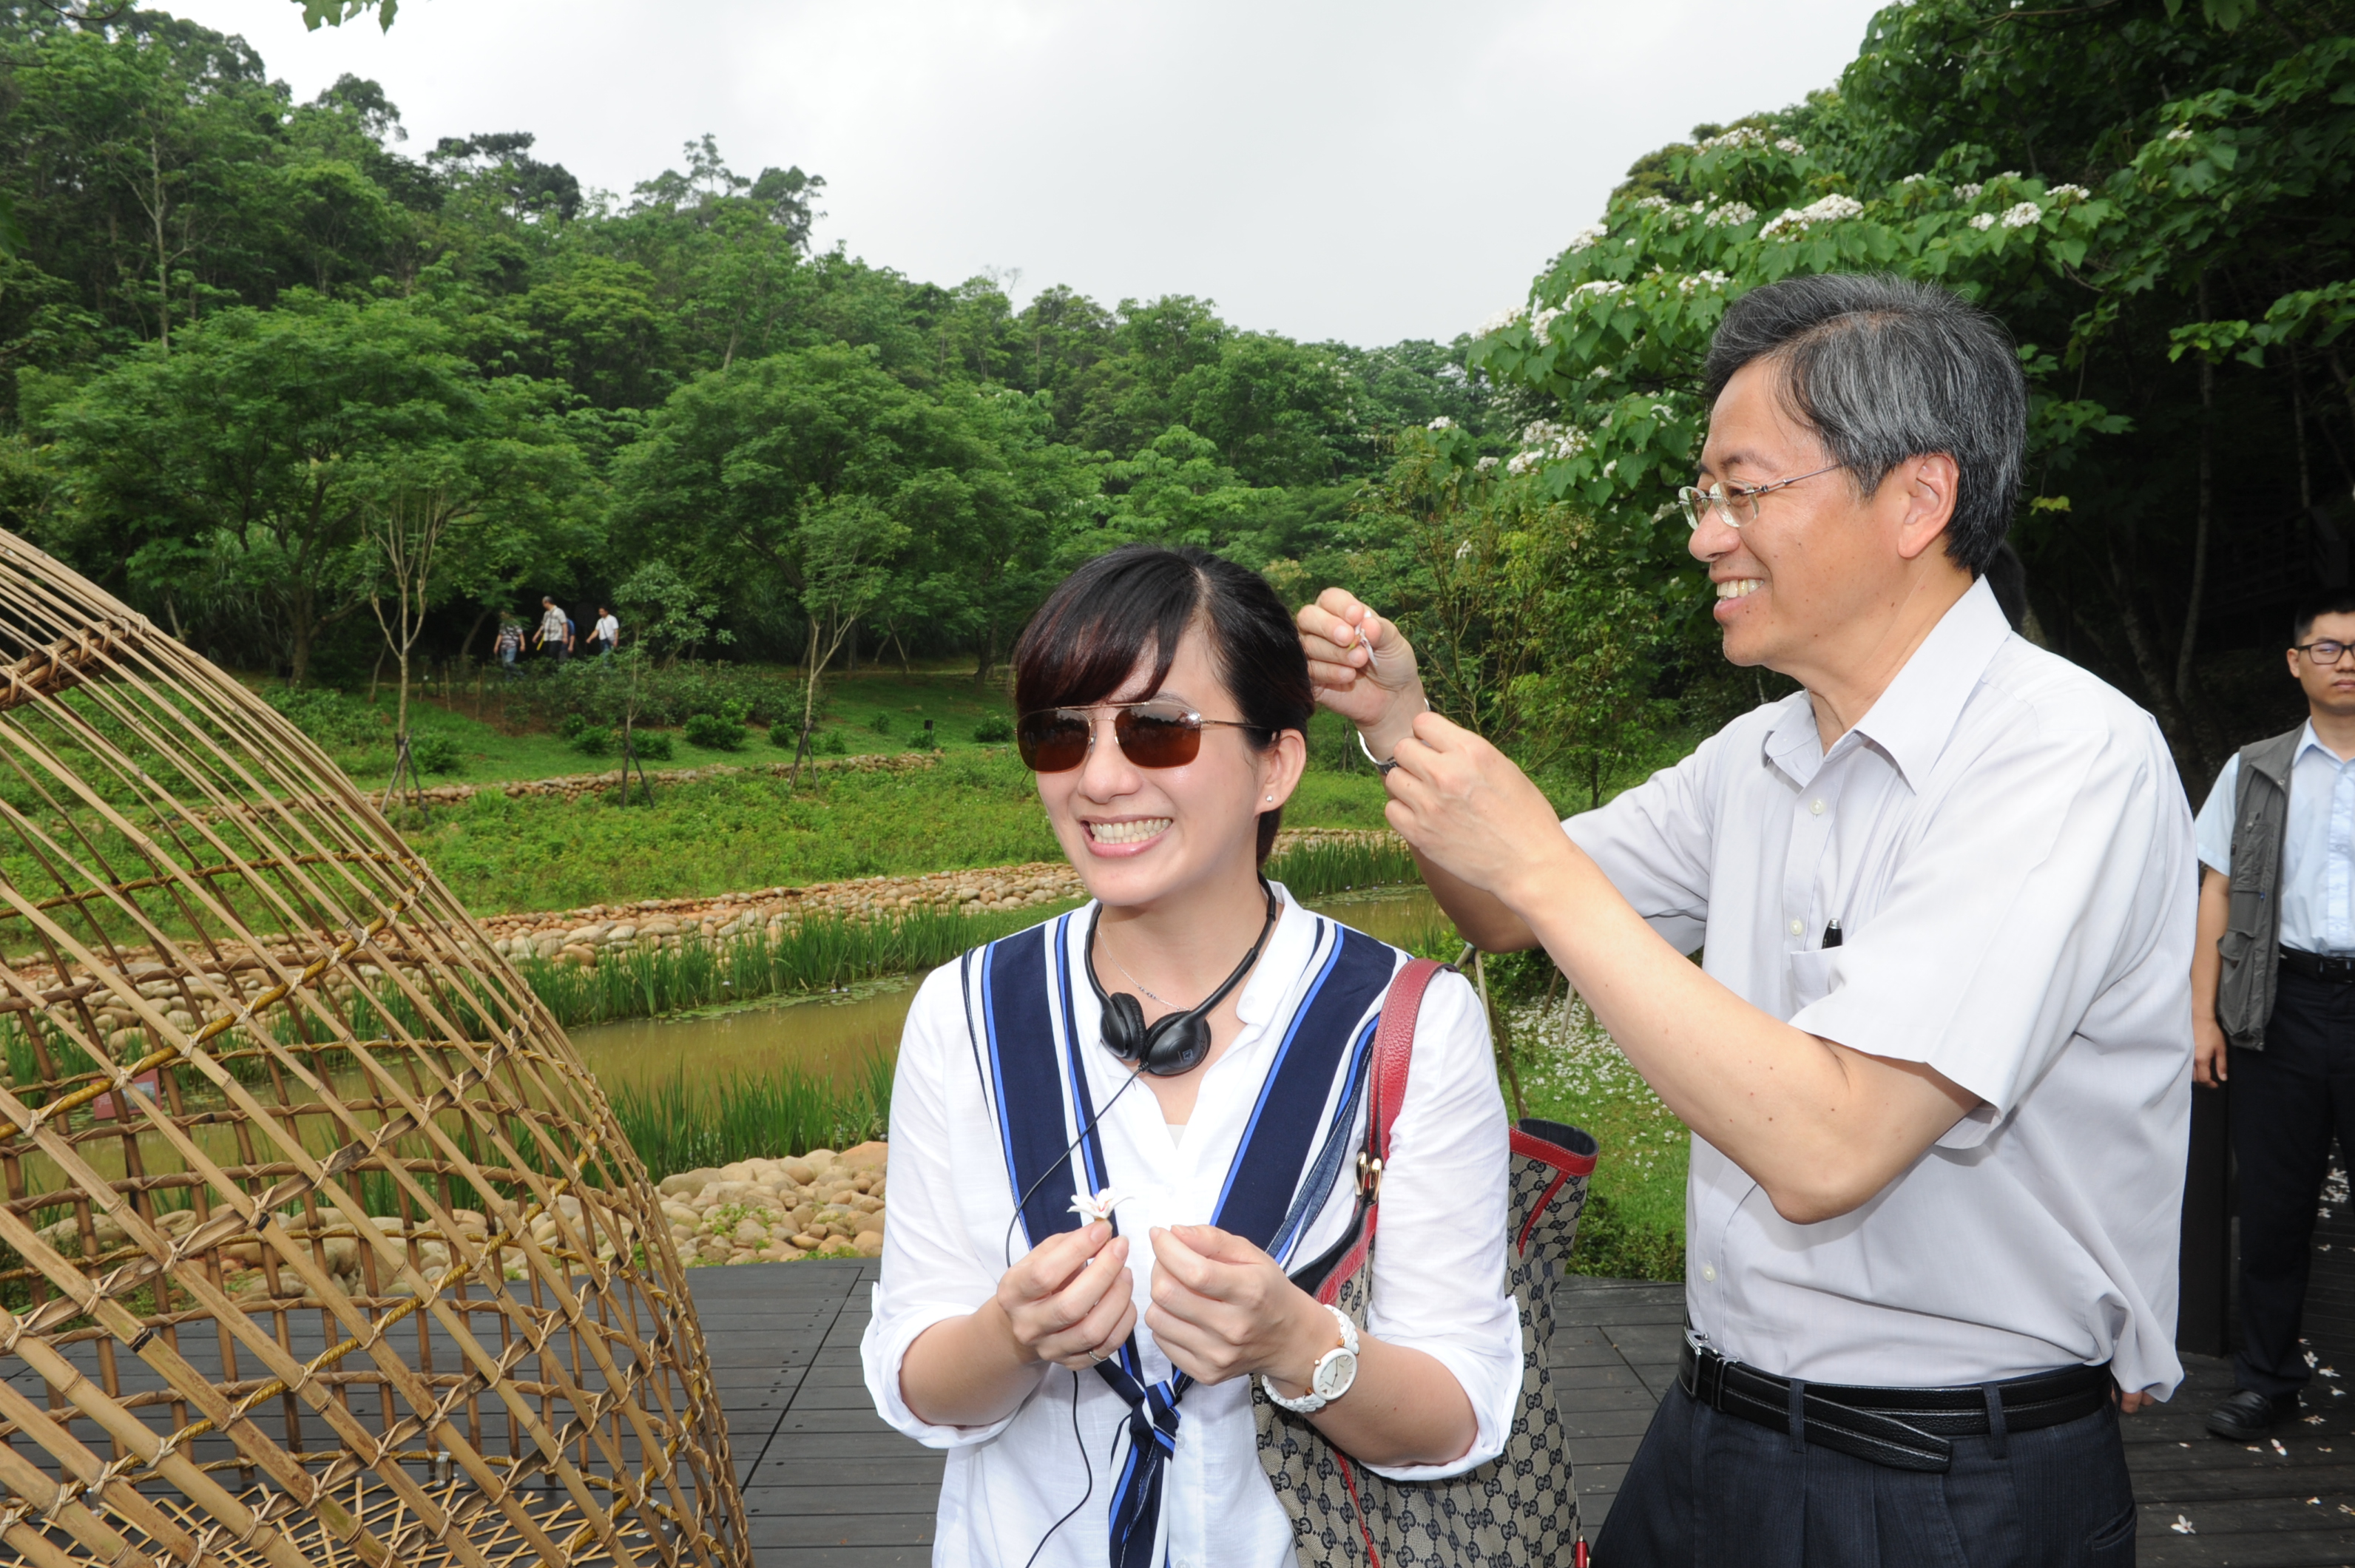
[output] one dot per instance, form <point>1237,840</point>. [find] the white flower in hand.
<point>1101,1206</point>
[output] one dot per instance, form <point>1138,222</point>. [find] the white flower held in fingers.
<point>1099,1206</point>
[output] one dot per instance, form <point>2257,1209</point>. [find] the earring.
<point>1271,799</point>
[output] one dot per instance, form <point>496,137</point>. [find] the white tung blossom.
<point>1968,192</point>
<point>1797,220</point>
<point>1787,145</point>
<point>1689,286</point>
<point>1503,318</point>
<point>1730,215</point>
<point>2026,215</point>
<point>2070,193</point>
<point>1652,204</point>
<point>1609,287</point>
<point>1099,1206</point>
<point>1486,464</point>
<point>1442,423</point>
<point>1740,137</point>
<point>1984,220</point>
<point>1912,179</point>
<point>1543,441</point>
<point>1584,240</point>
<point>1542,321</point>
<point>2180,134</point>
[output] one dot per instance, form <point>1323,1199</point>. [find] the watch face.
<point>1335,1374</point>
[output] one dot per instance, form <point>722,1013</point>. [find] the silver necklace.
<point>1140,985</point>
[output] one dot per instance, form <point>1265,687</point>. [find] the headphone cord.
<point>1080,1444</point>
<point>1015,1218</point>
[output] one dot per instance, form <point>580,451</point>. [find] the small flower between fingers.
<point>1100,1207</point>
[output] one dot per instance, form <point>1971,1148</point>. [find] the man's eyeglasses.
<point>1737,503</point>
<point>1151,735</point>
<point>2325,653</point>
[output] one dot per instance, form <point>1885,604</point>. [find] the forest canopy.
<point>243,331</point>
<point>238,326</point>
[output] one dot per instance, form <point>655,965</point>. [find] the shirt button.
<point>1708,1272</point>
<point>1816,806</point>
<point>1796,927</point>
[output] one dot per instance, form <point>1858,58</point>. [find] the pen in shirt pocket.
<point>1832,933</point>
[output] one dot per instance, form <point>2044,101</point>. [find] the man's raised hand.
<point>1361,666</point>
<point>1461,804</point>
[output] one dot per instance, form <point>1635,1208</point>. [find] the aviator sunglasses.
<point>1151,734</point>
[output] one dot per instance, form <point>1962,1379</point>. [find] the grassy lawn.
<point>975,808</point>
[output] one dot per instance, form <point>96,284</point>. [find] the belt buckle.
<point>1709,1370</point>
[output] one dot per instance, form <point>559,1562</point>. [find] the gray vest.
<point>2252,941</point>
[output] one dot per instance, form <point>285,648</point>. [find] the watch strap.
<point>1312,1402</point>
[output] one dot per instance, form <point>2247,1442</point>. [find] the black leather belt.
<point>1902,1428</point>
<point>2315,966</point>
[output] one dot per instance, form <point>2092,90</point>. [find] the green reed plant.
<point>686,1123</point>
<point>1320,867</point>
<point>824,953</point>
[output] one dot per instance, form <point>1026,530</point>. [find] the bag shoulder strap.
<point>1393,1056</point>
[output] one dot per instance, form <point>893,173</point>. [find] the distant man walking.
<point>606,636</point>
<point>555,629</point>
<point>2272,996</point>
<point>509,643</point>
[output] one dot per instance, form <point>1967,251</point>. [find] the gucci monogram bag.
<point>1521,1508</point>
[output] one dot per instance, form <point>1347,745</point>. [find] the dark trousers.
<point>2288,1101</point>
<point>1711,1490</point>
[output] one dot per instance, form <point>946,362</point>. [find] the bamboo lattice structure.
<point>319,1245</point>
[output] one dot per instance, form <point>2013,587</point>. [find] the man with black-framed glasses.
<point>2272,996</point>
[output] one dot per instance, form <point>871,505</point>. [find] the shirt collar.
<point>1914,718</point>
<point>2309,741</point>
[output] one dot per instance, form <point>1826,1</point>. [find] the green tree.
<point>248,456</point>
<point>2144,237</point>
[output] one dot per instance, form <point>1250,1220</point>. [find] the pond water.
<point>835,1034</point>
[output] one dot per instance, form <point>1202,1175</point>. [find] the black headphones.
<point>1176,1043</point>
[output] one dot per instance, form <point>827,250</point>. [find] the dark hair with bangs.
<point>1110,614</point>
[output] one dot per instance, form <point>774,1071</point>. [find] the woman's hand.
<point>1361,666</point>
<point>1462,804</point>
<point>1070,1300</point>
<point>1223,1309</point>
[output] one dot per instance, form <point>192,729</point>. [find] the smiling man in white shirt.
<point>1936,1057</point>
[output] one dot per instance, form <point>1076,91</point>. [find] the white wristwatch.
<point>1335,1370</point>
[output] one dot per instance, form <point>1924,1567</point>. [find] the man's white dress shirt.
<point>607,630</point>
<point>1438,1261</point>
<point>2317,871</point>
<point>2006,848</point>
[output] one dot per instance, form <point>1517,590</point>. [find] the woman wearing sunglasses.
<point>1112,1133</point>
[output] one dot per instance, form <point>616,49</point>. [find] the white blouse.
<point>1438,1264</point>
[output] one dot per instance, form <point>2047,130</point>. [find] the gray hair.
<point>1883,369</point>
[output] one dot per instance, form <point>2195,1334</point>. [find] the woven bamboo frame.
<point>318,1245</point>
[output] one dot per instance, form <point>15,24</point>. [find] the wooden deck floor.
<point>828,1485</point>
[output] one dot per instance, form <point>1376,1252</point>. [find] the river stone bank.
<point>820,1204</point>
<point>581,936</point>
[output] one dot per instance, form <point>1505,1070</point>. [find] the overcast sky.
<point>1367,171</point>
